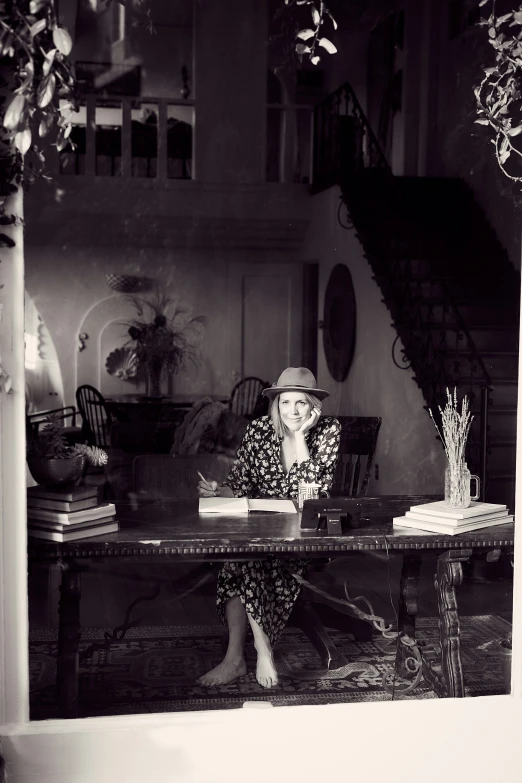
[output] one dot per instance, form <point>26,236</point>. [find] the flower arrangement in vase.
<point>455,430</point>
<point>55,463</point>
<point>162,337</point>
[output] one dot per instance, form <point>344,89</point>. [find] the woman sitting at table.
<point>292,444</point>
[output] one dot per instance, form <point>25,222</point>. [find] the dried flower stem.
<point>455,429</point>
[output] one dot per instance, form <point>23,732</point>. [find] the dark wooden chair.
<point>72,433</point>
<point>96,431</point>
<point>352,479</point>
<point>246,398</point>
<point>96,418</point>
<point>356,452</point>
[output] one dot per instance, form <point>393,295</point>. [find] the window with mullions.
<point>289,125</point>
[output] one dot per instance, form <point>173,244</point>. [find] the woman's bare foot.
<point>266,673</point>
<point>224,673</point>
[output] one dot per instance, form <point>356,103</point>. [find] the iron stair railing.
<point>437,344</point>
<point>344,142</point>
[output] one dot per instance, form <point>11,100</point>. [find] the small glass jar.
<point>457,486</point>
<point>307,491</point>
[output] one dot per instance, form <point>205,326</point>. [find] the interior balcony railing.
<point>437,345</point>
<point>131,137</point>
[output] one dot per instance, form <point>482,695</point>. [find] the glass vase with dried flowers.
<point>455,430</point>
<point>163,335</point>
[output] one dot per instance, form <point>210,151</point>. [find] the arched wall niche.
<point>43,376</point>
<point>104,329</point>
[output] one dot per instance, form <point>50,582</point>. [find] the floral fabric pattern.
<point>258,471</point>
<point>266,587</point>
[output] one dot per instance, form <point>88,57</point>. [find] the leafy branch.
<point>299,34</point>
<point>312,35</point>
<point>498,95</point>
<point>39,79</point>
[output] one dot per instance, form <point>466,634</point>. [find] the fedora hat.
<point>296,379</point>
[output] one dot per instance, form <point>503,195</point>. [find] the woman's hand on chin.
<point>310,422</point>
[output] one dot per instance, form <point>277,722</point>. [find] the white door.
<point>265,319</point>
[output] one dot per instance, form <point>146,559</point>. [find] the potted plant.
<point>162,335</point>
<point>55,463</point>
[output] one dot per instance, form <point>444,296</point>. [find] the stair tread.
<point>492,328</point>
<point>474,328</point>
<point>481,352</point>
<point>502,442</point>
<point>474,300</point>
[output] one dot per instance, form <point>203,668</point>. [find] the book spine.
<point>450,521</point>
<point>62,506</point>
<point>478,509</point>
<point>61,538</point>
<point>98,512</point>
<point>69,497</point>
<point>41,524</point>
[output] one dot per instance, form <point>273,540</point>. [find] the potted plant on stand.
<point>55,463</point>
<point>162,336</point>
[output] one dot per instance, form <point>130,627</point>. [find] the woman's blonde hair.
<point>275,414</point>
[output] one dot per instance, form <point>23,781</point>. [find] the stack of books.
<point>439,518</point>
<point>69,514</point>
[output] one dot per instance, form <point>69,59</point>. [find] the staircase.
<point>450,288</point>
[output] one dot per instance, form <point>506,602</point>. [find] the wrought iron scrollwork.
<point>438,346</point>
<point>348,222</point>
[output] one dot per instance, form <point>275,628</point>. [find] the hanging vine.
<point>300,32</point>
<point>310,38</point>
<point>38,93</point>
<point>498,95</point>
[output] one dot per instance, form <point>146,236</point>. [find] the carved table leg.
<point>408,605</point>
<point>447,578</point>
<point>69,632</point>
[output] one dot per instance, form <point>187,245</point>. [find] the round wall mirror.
<point>339,322</point>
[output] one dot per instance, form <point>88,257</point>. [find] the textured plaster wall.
<point>68,286</point>
<point>409,457</point>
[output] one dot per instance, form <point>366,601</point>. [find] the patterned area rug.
<point>154,669</point>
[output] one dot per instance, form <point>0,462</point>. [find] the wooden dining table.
<point>176,531</point>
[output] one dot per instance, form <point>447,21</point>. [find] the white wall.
<point>409,457</point>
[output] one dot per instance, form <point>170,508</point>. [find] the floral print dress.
<point>266,588</point>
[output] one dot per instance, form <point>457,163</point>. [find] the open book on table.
<point>244,505</point>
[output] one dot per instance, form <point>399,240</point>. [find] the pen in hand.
<point>210,487</point>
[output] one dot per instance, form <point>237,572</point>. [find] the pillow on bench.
<point>209,428</point>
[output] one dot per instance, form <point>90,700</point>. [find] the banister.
<point>342,152</point>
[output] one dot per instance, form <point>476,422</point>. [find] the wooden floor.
<point>109,587</point>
